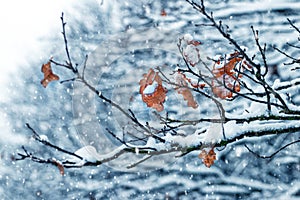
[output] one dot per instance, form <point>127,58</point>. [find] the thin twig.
<point>47,143</point>
<point>66,44</point>
<point>292,24</point>
<point>84,66</point>
<point>273,154</point>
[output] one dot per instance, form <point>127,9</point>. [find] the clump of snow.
<point>137,151</point>
<point>256,109</point>
<point>89,153</point>
<point>231,129</point>
<point>44,138</point>
<point>183,141</point>
<point>192,53</point>
<point>151,142</point>
<point>217,57</point>
<point>190,49</point>
<point>219,65</point>
<point>187,37</point>
<point>213,134</point>
<point>150,89</point>
<point>244,48</point>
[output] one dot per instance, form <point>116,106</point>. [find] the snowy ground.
<point>31,34</point>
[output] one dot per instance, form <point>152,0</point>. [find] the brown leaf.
<point>226,75</point>
<point>163,13</point>
<point>183,89</point>
<point>60,167</point>
<point>152,91</point>
<point>48,74</point>
<point>208,158</point>
<point>224,86</point>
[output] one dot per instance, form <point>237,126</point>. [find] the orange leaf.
<point>181,80</point>
<point>48,74</point>
<point>208,158</point>
<point>152,91</point>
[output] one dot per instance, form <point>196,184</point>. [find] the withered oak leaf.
<point>48,74</point>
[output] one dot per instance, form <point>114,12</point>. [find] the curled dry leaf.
<point>152,91</point>
<point>208,158</point>
<point>227,72</point>
<point>48,74</point>
<point>183,89</point>
<point>60,167</point>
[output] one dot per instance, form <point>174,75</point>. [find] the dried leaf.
<point>163,13</point>
<point>48,74</point>
<point>224,86</point>
<point>208,158</point>
<point>152,91</point>
<point>182,88</point>
<point>226,75</point>
<point>60,167</point>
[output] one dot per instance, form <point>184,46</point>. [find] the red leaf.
<point>152,91</point>
<point>48,74</point>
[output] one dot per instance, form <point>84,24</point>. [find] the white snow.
<point>44,138</point>
<point>188,37</point>
<point>181,141</point>
<point>150,89</point>
<point>192,53</point>
<point>89,153</point>
<point>220,64</point>
<point>244,48</point>
<point>213,134</point>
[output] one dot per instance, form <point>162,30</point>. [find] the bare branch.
<point>37,137</point>
<point>69,63</point>
<point>273,154</point>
